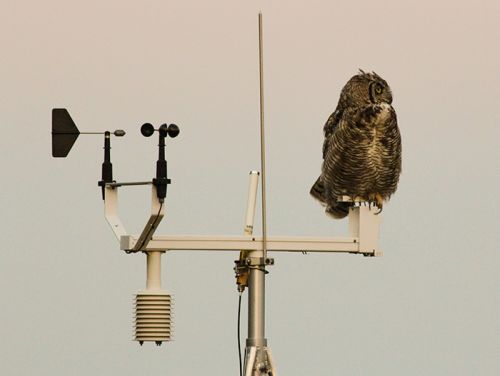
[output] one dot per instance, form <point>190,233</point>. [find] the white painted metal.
<point>153,316</point>
<point>153,280</point>
<point>251,352</point>
<point>364,225</point>
<point>153,306</point>
<point>363,230</point>
<point>252,199</point>
<point>249,243</point>
<point>111,212</point>
<point>157,213</point>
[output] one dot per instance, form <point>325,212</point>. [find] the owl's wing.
<point>329,128</point>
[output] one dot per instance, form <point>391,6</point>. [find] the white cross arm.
<point>364,226</point>
<point>244,242</point>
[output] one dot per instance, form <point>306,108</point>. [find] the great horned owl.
<point>362,147</point>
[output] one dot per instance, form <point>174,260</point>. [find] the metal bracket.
<point>258,261</point>
<point>111,214</point>
<point>364,226</point>
<point>157,213</point>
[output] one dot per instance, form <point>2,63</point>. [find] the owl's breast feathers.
<point>364,152</point>
<point>380,143</point>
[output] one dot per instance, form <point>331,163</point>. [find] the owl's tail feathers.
<point>318,190</point>
<point>338,210</point>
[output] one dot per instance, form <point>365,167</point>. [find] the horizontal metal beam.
<point>363,234</point>
<point>245,242</point>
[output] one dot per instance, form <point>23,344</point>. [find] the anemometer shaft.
<point>161,179</point>
<point>107,167</point>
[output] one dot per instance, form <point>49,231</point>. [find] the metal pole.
<point>153,275</point>
<point>262,140</point>
<point>256,344</point>
<point>256,304</point>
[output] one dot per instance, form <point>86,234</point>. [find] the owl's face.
<point>365,89</point>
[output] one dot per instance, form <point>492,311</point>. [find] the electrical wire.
<point>239,335</point>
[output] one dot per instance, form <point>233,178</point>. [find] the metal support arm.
<point>363,234</point>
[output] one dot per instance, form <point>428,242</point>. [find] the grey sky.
<point>430,306</point>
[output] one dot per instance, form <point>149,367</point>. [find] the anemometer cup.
<point>165,130</point>
<point>147,130</point>
<point>172,130</point>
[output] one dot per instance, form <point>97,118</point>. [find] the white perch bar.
<point>249,243</point>
<point>363,234</point>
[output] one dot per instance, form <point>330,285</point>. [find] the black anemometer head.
<point>171,130</point>
<point>161,180</point>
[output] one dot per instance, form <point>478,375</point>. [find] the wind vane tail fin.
<point>64,132</point>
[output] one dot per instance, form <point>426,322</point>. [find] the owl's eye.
<point>378,89</point>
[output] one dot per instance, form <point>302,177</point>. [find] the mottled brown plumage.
<point>362,147</point>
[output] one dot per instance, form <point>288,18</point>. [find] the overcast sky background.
<point>430,306</point>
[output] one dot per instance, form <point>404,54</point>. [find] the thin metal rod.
<point>56,132</point>
<point>129,183</point>
<point>262,140</point>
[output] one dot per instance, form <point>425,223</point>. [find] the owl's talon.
<point>379,201</point>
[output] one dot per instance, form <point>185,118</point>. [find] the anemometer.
<point>153,305</point>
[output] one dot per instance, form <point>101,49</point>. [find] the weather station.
<point>154,305</point>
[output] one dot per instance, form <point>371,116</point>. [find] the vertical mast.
<point>262,141</point>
